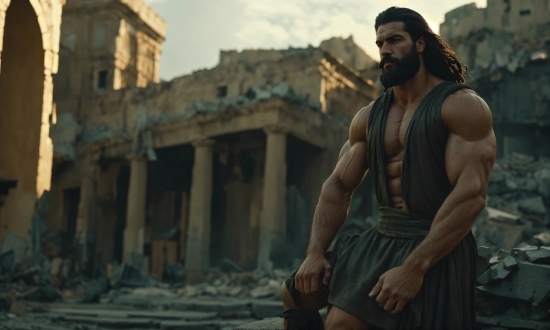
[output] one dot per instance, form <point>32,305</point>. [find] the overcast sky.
<point>198,29</point>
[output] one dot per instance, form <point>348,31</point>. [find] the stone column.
<point>198,233</point>
<point>85,216</point>
<point>84,240</point>
<point>135,215</point>
<point>273,215</point>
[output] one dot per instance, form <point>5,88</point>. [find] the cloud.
<point>198,29</point>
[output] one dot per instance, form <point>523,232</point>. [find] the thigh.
<point>338,319</point>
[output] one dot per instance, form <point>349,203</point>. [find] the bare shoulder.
<point>359,125</point>
<point>466,114</point>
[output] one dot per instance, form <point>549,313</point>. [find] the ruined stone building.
<point>29,43</point>
<point>506,46</point>
<point>221,163</point>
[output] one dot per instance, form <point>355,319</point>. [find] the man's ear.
<point>420,44</point>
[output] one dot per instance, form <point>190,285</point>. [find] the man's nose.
<point>385,51</point>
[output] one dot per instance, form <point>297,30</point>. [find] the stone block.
<point>501,254</point>
<point>223,307</point>
<point>483,257</point>
<point>275,323</point>
<point>484,252</point>
<point>17,244</point>
<point>186,325</point>
<point>540,256</point>
<point>520,252</point>
<point>488,320</point>
<point>528,282</point>
<point>509,263</point>
<point>485,277</point>
<point>499,271</point>
<point>523,324</point>
<point>265,309</point>
<point>533,205</point>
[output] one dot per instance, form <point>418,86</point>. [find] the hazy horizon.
<point>198,30</point>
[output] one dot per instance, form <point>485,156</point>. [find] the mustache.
<point>404,62</point>
<point>389,59</point>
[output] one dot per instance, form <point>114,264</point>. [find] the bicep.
<point>352,161</point>
<point>351,167</point>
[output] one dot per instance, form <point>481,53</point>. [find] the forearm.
<point>330,215</point>
<point>451,224</point>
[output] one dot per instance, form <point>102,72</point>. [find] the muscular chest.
<point>397,122</point>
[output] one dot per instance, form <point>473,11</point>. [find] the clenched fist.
<point>313,274</point>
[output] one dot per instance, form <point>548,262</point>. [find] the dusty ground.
<point>139,311</point>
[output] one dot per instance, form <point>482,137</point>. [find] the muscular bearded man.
<point>429,145</point>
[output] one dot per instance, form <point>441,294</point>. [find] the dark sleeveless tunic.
<point>446,299</point>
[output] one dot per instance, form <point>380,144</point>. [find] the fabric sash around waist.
<point>400,224</point>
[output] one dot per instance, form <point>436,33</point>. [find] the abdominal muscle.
<point>394,165</point>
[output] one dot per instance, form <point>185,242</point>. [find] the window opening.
<point>102,80</point>
<point>222,91</point>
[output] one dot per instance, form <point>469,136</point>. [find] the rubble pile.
<point>518,204</point>
<point>57,295</point>
<point>514,288</point>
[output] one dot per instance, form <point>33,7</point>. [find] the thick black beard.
<point>403,70</point>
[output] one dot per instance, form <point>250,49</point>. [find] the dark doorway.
<point>71,200</point>
<point>123,183</point>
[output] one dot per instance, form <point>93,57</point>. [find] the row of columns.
<point>273,218</point>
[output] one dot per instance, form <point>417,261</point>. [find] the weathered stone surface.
<point>533,205</point>
<point>118,323</point>
<point>218,306</point>
<point>485,277</point>
<point>497,229</point>
<point>275,323</point>
<point>484,252</point>
<point>265,309</point>
<point>540,256</point>
<point>186,325</point>
<point>17,244</point>
<point>509,263</point>
<point>523,324</point>
<point>520,252</point>
<point>529,282</point>
<point>499,272</point>
<point>502,254</point>
<point>488,320</point>
<point>154,292</point>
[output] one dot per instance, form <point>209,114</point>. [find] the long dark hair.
<point>439,58</point>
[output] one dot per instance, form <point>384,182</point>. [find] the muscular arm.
<point>469,157</point>
<point>332,208</point>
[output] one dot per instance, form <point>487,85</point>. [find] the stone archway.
<point>25,106</point>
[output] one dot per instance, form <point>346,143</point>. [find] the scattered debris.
<point>515,292</point>
<point>518,204</point>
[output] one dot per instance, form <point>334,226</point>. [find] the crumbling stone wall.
<point>104,48</point>
<point>26,101</point>
<point>506,47</point>
<point>219,153</point>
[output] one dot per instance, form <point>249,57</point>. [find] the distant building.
<point>222,163</point>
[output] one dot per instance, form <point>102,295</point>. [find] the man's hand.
<point>396,287</point>
<point>308,276</point>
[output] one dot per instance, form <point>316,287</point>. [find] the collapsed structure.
<point>208,166</point>
<point>506,47</point>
